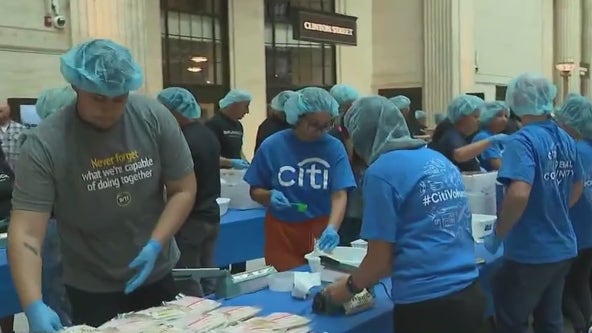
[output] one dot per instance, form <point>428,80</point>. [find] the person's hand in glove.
<point>498,138</point>
<point>329,239</point>
<point>492,243</point>
<point>143,265</point>
<point>239,164</point>
<point>42,319</point>
<point>278,200</point>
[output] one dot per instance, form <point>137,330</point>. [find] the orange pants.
<point>286,244</point>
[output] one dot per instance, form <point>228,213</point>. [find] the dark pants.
<point>94,309</point>
<point>577,300</point>
<point>349,230</point>
<point>520,290</point>
<point>197,252</point>
<point>460,312</point>
<point>7,324</point>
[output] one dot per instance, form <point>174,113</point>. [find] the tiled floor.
<point>21,325</point>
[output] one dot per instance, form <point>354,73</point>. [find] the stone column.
<point>587,44</point>
<point>449,52</point>
<point>568,40</point>
<point>133,23</point>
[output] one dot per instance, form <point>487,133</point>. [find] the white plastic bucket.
<point>481,226</point>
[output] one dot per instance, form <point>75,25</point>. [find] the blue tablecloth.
<point>378,319</point>
<point>241,237</point>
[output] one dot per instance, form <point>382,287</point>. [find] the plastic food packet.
<point>129,324</point>
<point>206,323</point>
<point>162,313</point>
<point>82,329</point>
<point>235,314</point>
<point>165,329</point>
<point>195,304</point>
<point>287,320</point>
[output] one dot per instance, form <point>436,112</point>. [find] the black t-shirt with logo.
<point>269,127</point>
<point>229,133</point>
<point>205,152</point>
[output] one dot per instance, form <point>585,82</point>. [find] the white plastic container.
<point>314,262</point>
<point>481,226</point>
<point>223,203</point>
<point>281,282</point>
<point>360,244</point>
<point>236,189</point>
<point>481,191</point>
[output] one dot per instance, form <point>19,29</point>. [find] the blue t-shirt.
<point>580,214</point>
<point>421,207</point>
<point>305,172</point>
<point>493,152</point>
<point>544,156</point>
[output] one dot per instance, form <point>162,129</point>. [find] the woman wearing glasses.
<point>302,165</point>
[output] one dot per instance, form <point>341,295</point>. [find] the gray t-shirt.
<point>104,187</point>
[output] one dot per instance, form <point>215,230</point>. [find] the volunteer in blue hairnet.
<point>421,120</point>
<point>439,117</point>
<point>415,235</point>
<point>349,231</point>
<point>100,164</point>
<point>229,130</point>
<point>494,118</point>
<point>451,137</point>
<point>403,103</point>
<point>303,165</point>
<point>542,173</point>
<point>576,118</point>
<point>197,237</point>
<point>276,118</point>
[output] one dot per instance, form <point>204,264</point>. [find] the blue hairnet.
<point>234,96</point>
<point>309,100</point>
<point>530,94</point>
<point>439,117</point>
<point>577,114</point>
<point>103,67</point>
<point>401,102</point>
<point>419,114</point>
<point>464,105</point>
<point>572,94</point>
<point>52,100</point>
<point>344,94</point>
<point>277,103</point>
<point>377,126</point>
<point>180,100</point>
<point>491,110</point>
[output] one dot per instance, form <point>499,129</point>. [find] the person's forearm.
<point>470,151</point>
<point>225,162</point>
<point>24,256</point>
<point>576,192</point>
<point>338,205</point>
<point>173,216</point>
<point>372,269</point>
<point>261,196</point>
<point>513,207</point>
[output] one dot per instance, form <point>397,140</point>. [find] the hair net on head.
<point>180,100</point>
<point>419,114</point>
<point>234,96</point>
<point>377,126</point>
<point>530,94</point>
<point>439,117</point>
<point>464,105</point>
<point>401,102</point>
<point>577,114</point>
<point>572,94</point>
<point>344,94</point>
<point>491,110</point>
<point>277,103</point>
<point>309,100</point>
<point>52,100</point>
<point>103,67</point>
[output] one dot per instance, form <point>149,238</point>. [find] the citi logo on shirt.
<point>313,172</point>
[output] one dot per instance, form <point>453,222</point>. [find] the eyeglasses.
<point>318,126</point>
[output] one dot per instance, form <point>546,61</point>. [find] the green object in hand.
<point>300,207</point>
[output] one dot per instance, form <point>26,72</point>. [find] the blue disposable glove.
<point>278,200</point>
<point>42,319</point>
<point>143,264</point>
<point>492,243</point>
<point>239,164</point>
<point>498,138</point>
<point>329,239</point>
